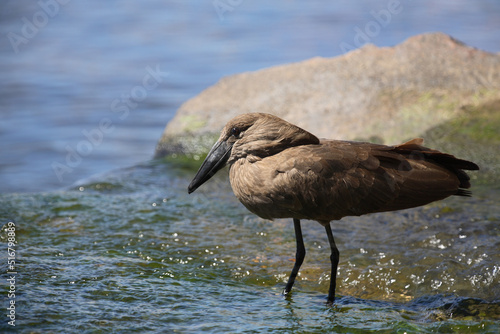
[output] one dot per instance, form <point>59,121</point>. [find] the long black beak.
<point>215,160</point>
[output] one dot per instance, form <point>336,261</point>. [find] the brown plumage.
<point>278,170</point>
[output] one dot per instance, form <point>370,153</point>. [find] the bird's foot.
<point>286,294</point>
<point>330,300</point>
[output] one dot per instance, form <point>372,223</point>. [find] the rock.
<point>387,94</point>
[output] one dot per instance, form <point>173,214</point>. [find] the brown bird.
<point>278,170</point>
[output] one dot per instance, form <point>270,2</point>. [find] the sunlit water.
<point>129,250</point>
<point>132,251</point>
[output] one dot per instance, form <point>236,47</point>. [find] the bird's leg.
<point>299,255</point>
<point>334,258</point>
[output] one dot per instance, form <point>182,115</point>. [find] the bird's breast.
<point>255,186</point>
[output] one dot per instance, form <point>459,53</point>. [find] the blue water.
<point>66,68</point>
<point>108,240</point>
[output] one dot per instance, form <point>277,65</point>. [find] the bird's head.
<point>251,136</point>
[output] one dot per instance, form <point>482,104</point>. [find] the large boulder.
<point>387,94</point>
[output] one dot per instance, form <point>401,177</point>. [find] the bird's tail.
<point>415,150</point>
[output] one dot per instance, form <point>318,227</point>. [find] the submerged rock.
<point>387,94</point>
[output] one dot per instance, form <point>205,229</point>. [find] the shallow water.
<point>131,251</point>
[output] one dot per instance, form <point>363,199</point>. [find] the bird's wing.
<point>330,181</point>
<point>338,178</point>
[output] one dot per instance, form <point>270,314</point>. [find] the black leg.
<point>299,256</point>
<point>334,258</point>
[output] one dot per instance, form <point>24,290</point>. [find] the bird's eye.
<point>235,132</point>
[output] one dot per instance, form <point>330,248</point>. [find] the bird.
<point>279,170</point>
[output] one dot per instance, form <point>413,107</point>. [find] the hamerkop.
<point>278,170</point>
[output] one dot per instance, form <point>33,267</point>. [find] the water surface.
<point>115,244</point>
<point>131,251</point>
<point>88,60</point>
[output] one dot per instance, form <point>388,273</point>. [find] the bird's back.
<point>333,179</point>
